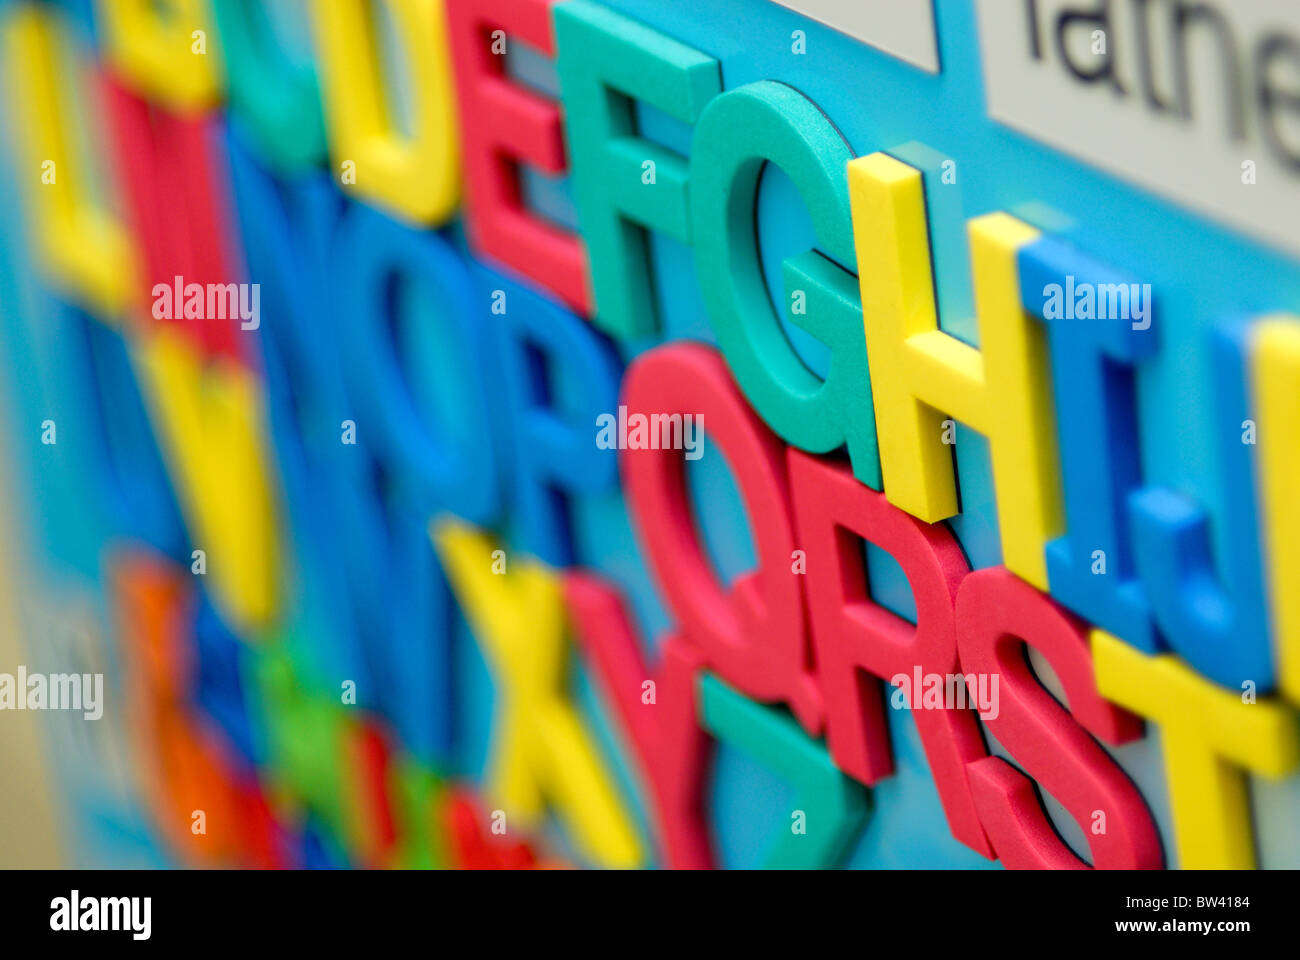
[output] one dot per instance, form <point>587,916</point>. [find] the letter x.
<point>540,750</point>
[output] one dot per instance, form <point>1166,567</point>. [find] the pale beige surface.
<point>28,831</point>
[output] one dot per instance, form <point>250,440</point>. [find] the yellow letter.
<point>921,375</point>
<point>151,45</point>
<point>1208,734</point>
<point>540,748</point>
<point>1275,358</point>
<point>84,248</point>
<point>415,177</point>
<point>209,424</point>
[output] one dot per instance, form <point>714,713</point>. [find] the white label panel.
<point>1192,100</point>
<point>902,28</point>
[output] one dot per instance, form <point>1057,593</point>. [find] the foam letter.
<point>85,249</point>
<point>557,375</point>
<point>1207,735</point>
<point>999,614</point>
<point>504,125</point>
<point>921,375</point>
<point>418,177</point>
<point>1276,363</point>
<point>670,746</point>
<point>541,749</point>
<point>739,133</point>
<point>835,807</point>
<point>1096,418</point>
<point>607,63</point>
<point>471,847</point>
<point>1217,622</point>
<point>177,201</point>
<point>381,267</point>
<point>755,636</point>
<point>275,97</point>
<point>853,635</point>
<point>210,426</point>
<point>150,46</point>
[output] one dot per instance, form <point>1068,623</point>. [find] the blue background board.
<point>1205,276</point>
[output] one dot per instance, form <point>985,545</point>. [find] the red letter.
<point>852,634</point>
<point>666,734</point>
<point>469,847</point>
<point>756,636</point>
<point>175,199</point>
<point>501,125</point>
<point>369,760</point>
<point>997,614</point>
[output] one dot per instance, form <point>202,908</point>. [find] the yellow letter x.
<point>540,750</point>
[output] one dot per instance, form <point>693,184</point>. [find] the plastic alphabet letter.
<point>670,745</point>
<point>1275,360</point>
<point>854,636</point>
<point>502,126</point>
<point>999,614</point>
<point>540,747</point>
<point>756,636</point>
<point>415,177</point>
<point>210,424</point>
<point>148,45</point>
<point>608,62</point>
<point>739,132</point>
<point>836,807</point>
<point>1210,738</point>
<point>1096,415</point>
<point>85,248</point>
<point>920,375</point>
<point>1217,623</point>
